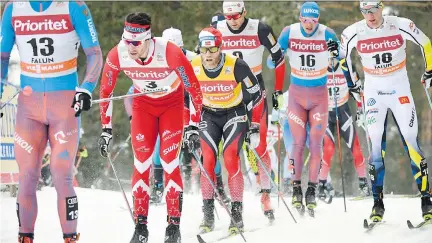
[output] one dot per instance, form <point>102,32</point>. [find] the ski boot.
<point>207,225</point>
<point>310,198</point>
<point>141,232</point>
<point>172,232</point>
<point>426,206</point>
<point>377,210</point>
<point>297,198</point>
<point>157,193</point>
<point>220,188</point>
<point>236,213</point>
<point>70,238</point>
<point>326,191</point>
<point>266,205</point>
<point>364,187</point>
<point>25,238</point>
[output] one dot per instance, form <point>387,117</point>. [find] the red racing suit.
<point>154,113</point>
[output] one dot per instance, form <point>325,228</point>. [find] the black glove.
<point>82,101</point>
<point>427,79</point>
<point>191,138</point>
<point>104,141</point>
<point>277,99</point>
<point>333,47</point>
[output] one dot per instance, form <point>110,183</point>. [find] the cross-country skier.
<point>381,42</point>
<point>247,38</point>
<point>308,45</point>
<point>51,33</point>
<point>175,36</point>
<point>151,63</point>
<point>230,95</point>
<point>338,89</point>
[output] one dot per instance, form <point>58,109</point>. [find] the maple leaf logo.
<point>141,201</point>
<point>174,200</point>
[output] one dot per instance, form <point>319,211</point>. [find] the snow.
<point>104,218</point>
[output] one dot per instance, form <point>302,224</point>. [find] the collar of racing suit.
<point>242,27</point>
<point>214,72</point>
<point>306,34</point>
<point>40,6</point>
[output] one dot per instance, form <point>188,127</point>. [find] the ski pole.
<point>27,90</point>
<point>279,162</point>
<point>163,89</point>
<point>216,192</point>
<point>121,187</point>
<point>338,131</point>
<point>428,96</point>
<point>272,182</point>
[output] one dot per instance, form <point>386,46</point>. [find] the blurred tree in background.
<point>191,17</point>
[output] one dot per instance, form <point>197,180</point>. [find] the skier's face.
<point>210,56</point>
<point>137,49</point>
<point>309,24</point>
<point>372,15</point>
<point>235,20</point>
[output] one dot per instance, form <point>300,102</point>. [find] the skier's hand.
<point>104,141</point>
<point>191,138</point>
<point>253,135</point>
<point>360,117</point>
<point>82,101</point>
<point>356,90</point>
<point>333,47</point>
<point>277,99</point>
<point>427,79</point>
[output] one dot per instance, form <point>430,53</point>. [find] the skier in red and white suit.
<point>152,63</point>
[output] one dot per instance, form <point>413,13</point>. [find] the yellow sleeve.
<point>411,32</point>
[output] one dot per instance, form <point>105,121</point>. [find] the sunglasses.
<point>309,20</point>
<point>134,43</point>
<point>212,49</point>
<point>369,10</point>
<point>233,16</point>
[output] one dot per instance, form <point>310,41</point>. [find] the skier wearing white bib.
<point>381,43</point>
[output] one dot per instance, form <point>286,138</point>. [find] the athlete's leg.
<point>376,113</point>
<point>297,120</point>
<point>144,132</point>
<point>329,147</point>
<point>63,132</point>
<point>211,134</point>
<point>169,155</point>
<point>234,134</point>
<point>403,109</point>
<point>30,142</point>
<point>262,147</point>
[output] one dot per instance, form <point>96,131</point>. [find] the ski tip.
<point>200,239</point>
<point>410,225</point>
<point>365,224</point>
